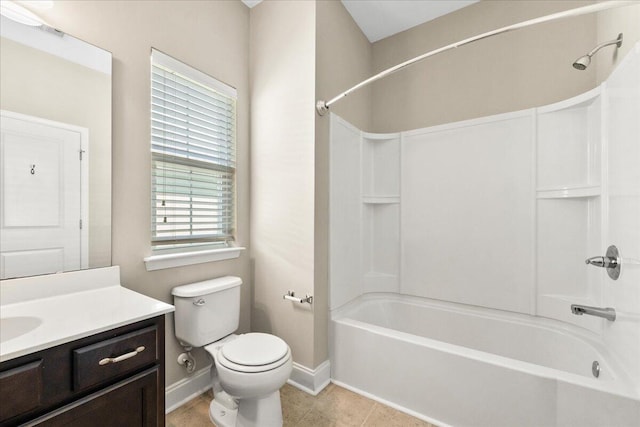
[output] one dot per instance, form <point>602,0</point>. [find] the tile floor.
<point>332,407</point>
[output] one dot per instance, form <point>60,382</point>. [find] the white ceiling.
<point>379,19</point>
<point>383,18</point>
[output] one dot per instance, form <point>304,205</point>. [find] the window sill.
<point>159,262</point>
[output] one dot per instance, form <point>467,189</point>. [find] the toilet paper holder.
<point>291,296</point>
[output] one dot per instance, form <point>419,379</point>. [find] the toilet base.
<point>260,412</point>
<point>222,416</point>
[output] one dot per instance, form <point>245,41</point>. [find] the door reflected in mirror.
<point>55,152</point>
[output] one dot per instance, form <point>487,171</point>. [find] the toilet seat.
<point>254,352</point>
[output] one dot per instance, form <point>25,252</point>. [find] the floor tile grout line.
<point>373,407</point>
<point>299,423</point>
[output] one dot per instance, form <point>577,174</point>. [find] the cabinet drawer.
<point>20,389</point>
<point>105,360</point>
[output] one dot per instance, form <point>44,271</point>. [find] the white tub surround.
<point>493,217</point>
<point>44,311</point>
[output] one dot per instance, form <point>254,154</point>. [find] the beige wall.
<point>610,23</point>
<point>210,36</point>
<point>43,85</point>
<point>343,58</point>
<point>282,170</point>
<point>513,71</point>
<point>289,172</point>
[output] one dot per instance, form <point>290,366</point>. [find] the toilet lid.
<point>255,349</point>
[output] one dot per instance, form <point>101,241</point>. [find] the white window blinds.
<point>193,155</point>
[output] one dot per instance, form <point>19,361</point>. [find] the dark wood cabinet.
<point>114,378</point>
<point>20,389</point>
<point>130,402</point>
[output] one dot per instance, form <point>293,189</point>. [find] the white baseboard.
<point>179,393</point>
<point>309,380</point>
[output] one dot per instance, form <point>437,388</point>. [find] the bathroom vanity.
<point>85,351</point>
<point>76,347</point>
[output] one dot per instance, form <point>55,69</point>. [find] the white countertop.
<point>84,305</point>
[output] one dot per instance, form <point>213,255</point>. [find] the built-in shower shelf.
<point>380,136</point>
<point>568,192</point>
<point>378,275</point>
<point>381,199</point>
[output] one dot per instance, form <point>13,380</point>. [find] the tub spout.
<point>606,313</point>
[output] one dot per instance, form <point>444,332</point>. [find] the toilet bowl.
<point>248,370</point>
<point>251,369</point>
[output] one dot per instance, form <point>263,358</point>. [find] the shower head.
<point>583,62</point>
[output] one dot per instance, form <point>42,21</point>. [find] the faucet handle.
<point>598,261</point>
<point>611,261</point>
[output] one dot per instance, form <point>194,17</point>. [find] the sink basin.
<point>12,327</point>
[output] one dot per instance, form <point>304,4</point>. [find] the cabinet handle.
<point>125,356</point>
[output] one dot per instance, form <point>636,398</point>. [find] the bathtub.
<point>437,361</point>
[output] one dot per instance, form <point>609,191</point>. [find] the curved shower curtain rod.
<point>323,106</point>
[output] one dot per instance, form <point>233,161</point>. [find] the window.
<point>193,157</point>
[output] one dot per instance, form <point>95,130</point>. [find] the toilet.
<point>248,369</point>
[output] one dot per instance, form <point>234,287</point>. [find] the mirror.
<point>55,152</point>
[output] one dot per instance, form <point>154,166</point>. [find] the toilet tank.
<point>207,311</point>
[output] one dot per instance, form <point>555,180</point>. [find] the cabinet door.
<point>132,402</point>
<point>20,389</point>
